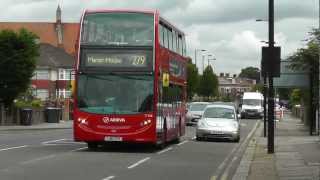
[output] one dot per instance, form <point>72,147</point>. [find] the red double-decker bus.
<point>130,80</point>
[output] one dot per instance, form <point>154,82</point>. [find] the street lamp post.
<point>195,54</point>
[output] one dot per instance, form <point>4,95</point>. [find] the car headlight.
<point>201,124</point>
<point>234,127</point>
<point>196,116</point>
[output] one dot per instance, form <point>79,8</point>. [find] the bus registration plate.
<point>112,138</point>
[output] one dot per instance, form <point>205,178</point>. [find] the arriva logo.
<point>113,120</point>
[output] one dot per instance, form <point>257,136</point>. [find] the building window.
<point>42,94</point>
<point>65,74</point>
<point>63,93</point>
<point>41,75</point>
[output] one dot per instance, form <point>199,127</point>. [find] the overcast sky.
<point>225,28</point>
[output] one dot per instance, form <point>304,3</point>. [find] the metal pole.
<point>318,72</point>
<point>195,57</point>
<point>265,89</point>
<point>271,91</point>
<point>202,64</point>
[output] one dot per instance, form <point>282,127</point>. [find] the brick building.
<point>57,55</point>
<point>233,85</point>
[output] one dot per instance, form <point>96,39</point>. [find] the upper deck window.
<point>118,29</point>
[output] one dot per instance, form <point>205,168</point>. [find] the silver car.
<point>219,121</point>
<point>195,112</point>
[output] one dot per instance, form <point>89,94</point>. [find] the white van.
<point>252,105</point>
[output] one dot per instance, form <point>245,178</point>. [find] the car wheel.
<point>199,138</point>
<point>237,139</point>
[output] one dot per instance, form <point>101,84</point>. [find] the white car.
<point>219,121</point>
<point>195,112</point>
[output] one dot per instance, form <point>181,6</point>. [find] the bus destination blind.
<point>116,60</point>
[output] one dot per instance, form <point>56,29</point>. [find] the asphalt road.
<point>52,155</point>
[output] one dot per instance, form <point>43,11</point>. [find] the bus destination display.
<point>116,60</point>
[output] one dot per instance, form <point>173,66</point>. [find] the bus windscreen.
<point>118,29</point>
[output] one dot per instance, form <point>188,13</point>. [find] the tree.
<point>192,79</point>
<point>250,73</point>
<point>208,85</point>
<point>295,96</point>
<point>18,53</point>
<point>257,87</point>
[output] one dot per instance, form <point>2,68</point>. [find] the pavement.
<point>296,157</point>
<point>63,124</point>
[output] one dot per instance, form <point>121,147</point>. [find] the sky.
<point>226,29</point>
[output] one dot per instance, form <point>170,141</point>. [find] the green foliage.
<point>257,87</point>
<point>192,79</point>
<point>284,93</point>
<point>36,103</point>
<point>208,85</point>
<point>295,97</point>
<point>250,73</point>
<point>18,53</point>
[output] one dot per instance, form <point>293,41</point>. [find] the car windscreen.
<point>197,107</point>
<point>219,112</point>
<point>252,102</point>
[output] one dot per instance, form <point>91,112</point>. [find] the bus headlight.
<point>83,121</point>
<point>145,122</point>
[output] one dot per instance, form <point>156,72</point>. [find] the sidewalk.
<point>43,126</point>
<point>297,155</point>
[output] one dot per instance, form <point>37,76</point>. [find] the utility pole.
<point>270,75</point>
<point>265,90</point>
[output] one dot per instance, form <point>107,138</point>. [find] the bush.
<point>36,103</point>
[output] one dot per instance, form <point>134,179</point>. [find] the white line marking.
<point>183,142</point>
<point>108,178</point>
<point>53,141</point>
<point>38,159</point>
<point>165,150</point>
<point>139,162</point>
<point>242,146</point>
<point>18,147</point>
<point>79,149</point>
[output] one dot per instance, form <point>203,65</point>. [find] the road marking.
<point>38,159</point>
<point>139,162</point>
<point>183,142</point>
<point>225,174</point>
<point>165,150</point>
<point>79,149</point>
<point>108,178</point>
<point>17,147</point>
<point>213,178</point>
<point>53,141</point>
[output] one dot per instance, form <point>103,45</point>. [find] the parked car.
<point>219,121</point>
<point>195,112</point>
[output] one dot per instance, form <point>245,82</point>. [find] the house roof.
<point>51,56</point>
<point>47,32</point>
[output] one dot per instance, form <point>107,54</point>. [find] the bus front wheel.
<point>92,145</point>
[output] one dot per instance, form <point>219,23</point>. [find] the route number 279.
<point>139,60</point>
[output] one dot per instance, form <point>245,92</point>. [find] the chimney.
<point>59,28</point>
